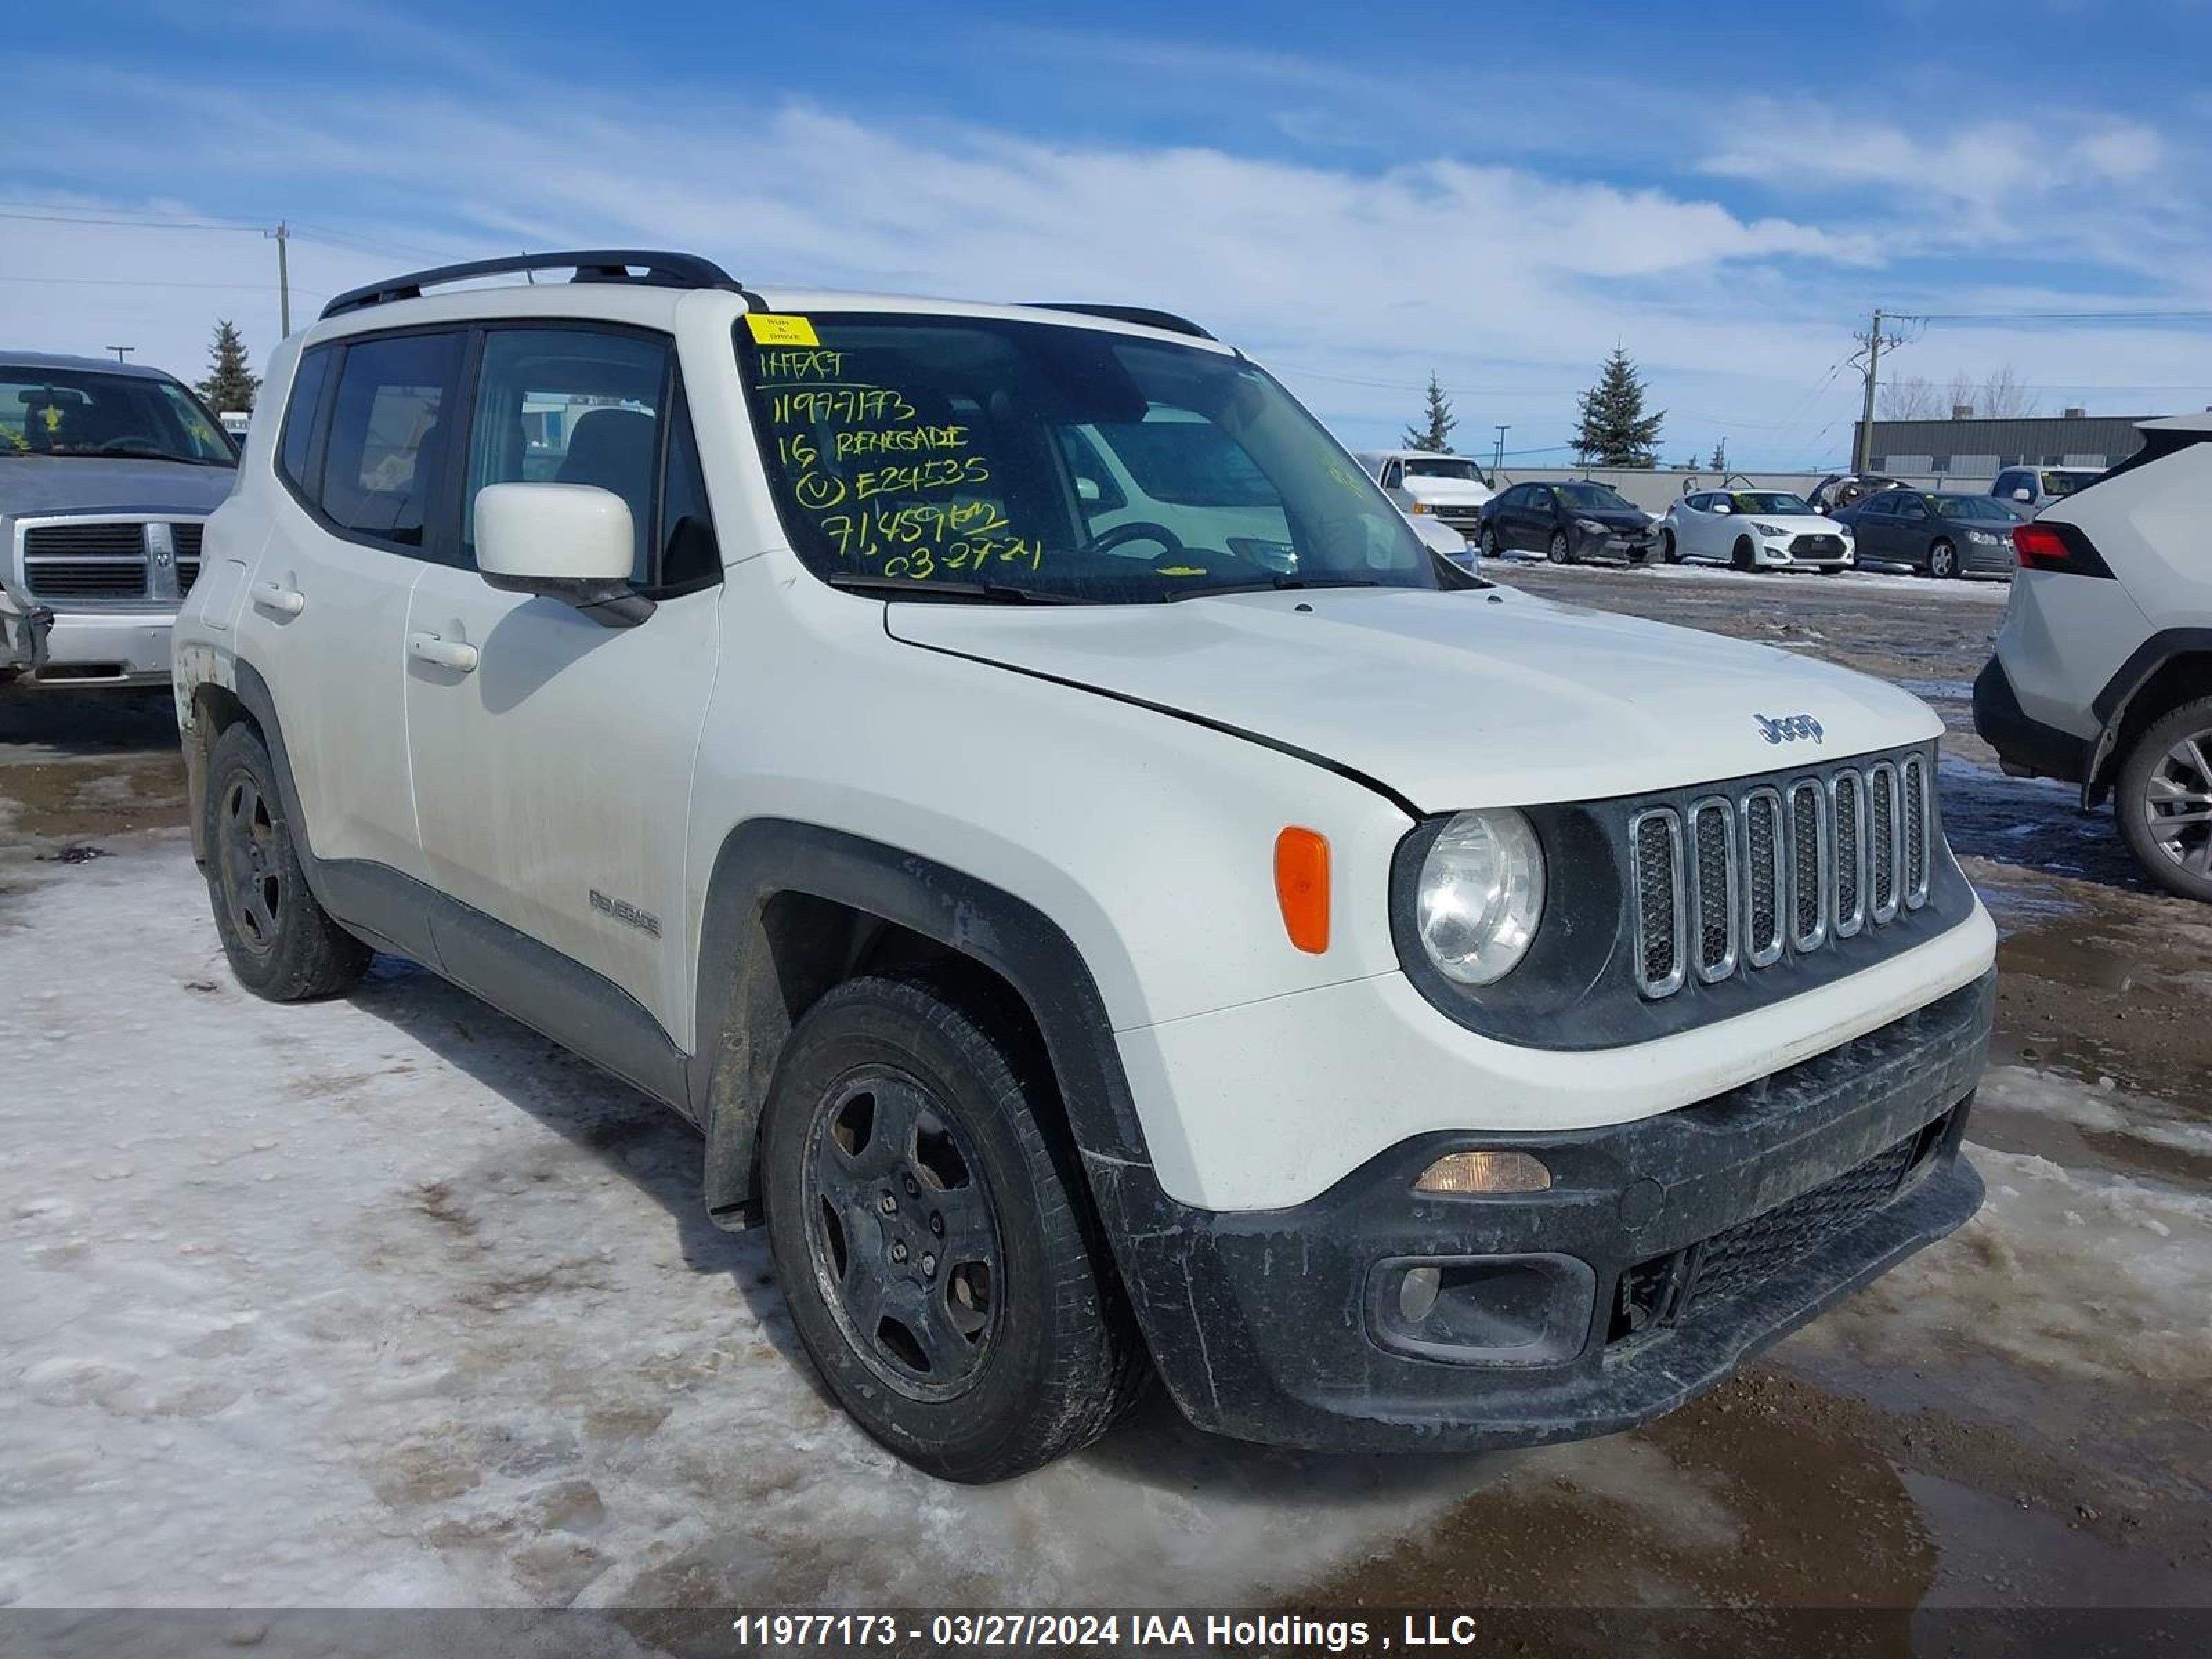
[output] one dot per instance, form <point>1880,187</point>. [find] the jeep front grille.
<point>1776,865</point>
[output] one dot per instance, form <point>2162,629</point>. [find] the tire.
<point>1487,541</point>
<point>1743,558</point>
<point>2167,775</point>
<point>282,944</point>
<point>1668,553</point>
<point>910,1111</point>
<point>1942,561</point>
<point>1561,551</point>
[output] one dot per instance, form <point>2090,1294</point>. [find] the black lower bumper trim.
<point>2023,742</point>
<point>1263,1324</point>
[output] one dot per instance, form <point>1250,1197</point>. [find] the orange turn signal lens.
<point>1302,887</point>
<point>1470,1173</point>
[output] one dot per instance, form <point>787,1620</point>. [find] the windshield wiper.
<point>906,588</point>
<point>1273,585</point>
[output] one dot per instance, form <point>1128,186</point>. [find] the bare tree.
<point>1912,397</point>
<point>1960,393</point>
<point>2002,397</point>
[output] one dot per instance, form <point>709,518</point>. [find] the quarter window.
<point>296,453</point>
<point>381,473</point>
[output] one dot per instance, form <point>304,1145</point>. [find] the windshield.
<point>1768,501</point>
<point>1433,466</point>
<point>1986,508</point>
<point>978,458</point>
<point>1593,496</point>
<point>2065,483</point>
<point>79,412</point>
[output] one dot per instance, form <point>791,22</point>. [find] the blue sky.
<point>1356,198</point>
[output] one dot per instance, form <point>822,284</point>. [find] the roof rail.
<point>599,266</point>
<point>1145,316</point>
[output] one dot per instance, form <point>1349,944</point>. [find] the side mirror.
<point>1723,507</point>
<point>572,543</point>
<point>2023,495</point>
<point>1087,489</point>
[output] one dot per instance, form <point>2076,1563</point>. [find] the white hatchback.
<point>1754,530</point>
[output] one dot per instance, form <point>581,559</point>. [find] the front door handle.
<point>275,595</point>
<point>446,653</point>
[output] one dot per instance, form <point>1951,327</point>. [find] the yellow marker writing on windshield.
<point>769,329</point>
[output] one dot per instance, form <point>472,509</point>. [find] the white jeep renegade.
<point>1232,943</point>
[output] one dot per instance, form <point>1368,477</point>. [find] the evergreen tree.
<point>1436,432</point>
<point>1719,462</point>
<point>1615,431</point>
<point>230,385</point>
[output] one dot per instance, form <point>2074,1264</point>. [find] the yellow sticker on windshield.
<point>1176,570</point>
<point>772,329</point>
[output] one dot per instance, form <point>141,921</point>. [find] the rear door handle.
<point>446,653</point>
<point>275,595</point>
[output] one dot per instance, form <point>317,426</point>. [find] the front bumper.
<point>1807,552</point>
<point>1676,1246</point>
<point>1613,543</point>
<point>106,648</point>
<point>23,629</point>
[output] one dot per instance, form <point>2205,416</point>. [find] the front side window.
<point>381,462</point>
<point>1912,506</point>
<point>84,413</point>
<point>947,452</point>
<point>570,405</point>
<point>1981,509</point>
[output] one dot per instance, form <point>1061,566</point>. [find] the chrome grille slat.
<point>1885,841</point>
<point>1847,794</point>
<point>1655,838</point>
<point>1738,880</point>
<point>1765,865</point>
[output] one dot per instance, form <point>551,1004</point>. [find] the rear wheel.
<point>933,1235</point>
<point>2165,800</point>
<point>282,944</point>
<point>1488,542</point>
<point>1560,551</point>
<point>1943,560</point>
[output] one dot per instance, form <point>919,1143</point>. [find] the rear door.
<point>361,458</point>
<point>552,776</point>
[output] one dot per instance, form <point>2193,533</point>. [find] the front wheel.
<point>1668,552</point>
<point>1560,551</point>
<point>1943,560</point>
<point>282,944</point>
<point>2164,800</point>
<point>1743,558</point>
<point>930,1227</point>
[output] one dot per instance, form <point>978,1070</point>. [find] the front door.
<point>551,754</point>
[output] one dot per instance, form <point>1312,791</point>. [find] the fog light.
<point>1417,1294</point>
<point>1485,1171</point>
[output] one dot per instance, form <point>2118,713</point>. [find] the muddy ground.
<point>1983,1429</point>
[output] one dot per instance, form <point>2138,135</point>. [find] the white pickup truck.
<point>1426,483</point>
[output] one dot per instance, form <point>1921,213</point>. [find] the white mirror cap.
<point>556,531</point>
<point>2023,495</point>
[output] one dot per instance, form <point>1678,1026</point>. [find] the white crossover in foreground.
<point>1112,899</point>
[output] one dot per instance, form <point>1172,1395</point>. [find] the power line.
<point>142,223</point>
<point>2054,316</point>
<point>137,281</point>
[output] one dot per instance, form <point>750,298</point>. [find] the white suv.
<point>1401,1010</point>
<point>2103,671</point>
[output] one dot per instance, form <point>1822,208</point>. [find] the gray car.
<point>107,472</point>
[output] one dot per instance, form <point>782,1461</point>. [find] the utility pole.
<point>1874,339</point>
<point>121,351</point>
<point>1498,465</point>
<point>281,234</point>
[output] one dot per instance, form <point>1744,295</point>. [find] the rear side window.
<point>295,455</point>
<point>382,463</point>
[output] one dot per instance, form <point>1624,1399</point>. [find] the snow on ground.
<point>387,1300</point>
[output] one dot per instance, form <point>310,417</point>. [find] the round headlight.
<point>1481,895</point>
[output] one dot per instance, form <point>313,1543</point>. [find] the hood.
<point>120,483</point>
<point>1448,492</point>
<point>1797,524</point>
<point>1635,517</point>
<point>1478,698</point>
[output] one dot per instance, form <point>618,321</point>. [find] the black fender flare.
<point>744,1012</point>
<point>2112,704</point>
